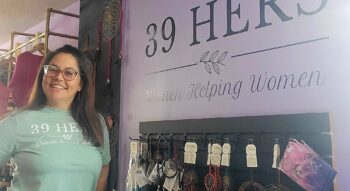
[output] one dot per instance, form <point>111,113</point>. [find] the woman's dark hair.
<point>83,106</point>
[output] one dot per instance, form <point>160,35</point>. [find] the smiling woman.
<point>50,140</point>
<point>61,82</point>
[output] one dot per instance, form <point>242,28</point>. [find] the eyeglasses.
<point>52,71</point>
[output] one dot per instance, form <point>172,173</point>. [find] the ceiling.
<point>21,15</point>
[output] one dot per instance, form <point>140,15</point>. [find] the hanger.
<point>38,48</point>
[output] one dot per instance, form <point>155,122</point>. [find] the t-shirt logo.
<point>67,137</point>
<point>57,133</point>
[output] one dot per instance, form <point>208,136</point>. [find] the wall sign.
<point>204,59</point>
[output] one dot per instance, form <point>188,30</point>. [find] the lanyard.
<point>170,166</point>
<point>212,180</point>
<point>190,180</point>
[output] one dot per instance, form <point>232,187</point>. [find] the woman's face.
<point>59,89</point>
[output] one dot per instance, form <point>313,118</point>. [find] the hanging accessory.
<point>156,174</point>
<point>140,172</point>
<point>109,27</point>
<point>209,179</point>
<point>227,180</point>
<point>212,180</point>
<point>304,166</point>
<point>225,162</point>
<point>170,167</point>
<point>131,181</point>
<point>276,160</point>
<point>190,178</point>
<point>252,163</point>
<point>150,161</point>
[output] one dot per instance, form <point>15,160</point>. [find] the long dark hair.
<point>83,106</point>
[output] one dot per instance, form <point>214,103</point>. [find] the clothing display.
<point>50,152</point>
<point>23,78</point>
<point>154,165</point>
<point>4,97</point>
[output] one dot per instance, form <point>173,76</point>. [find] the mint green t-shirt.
<point>50,153</point>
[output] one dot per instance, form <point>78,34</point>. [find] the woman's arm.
<point>102,180</point>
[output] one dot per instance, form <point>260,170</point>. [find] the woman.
<point>58,142</point>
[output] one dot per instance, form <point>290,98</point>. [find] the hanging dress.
<point>24,76</point>
<point>4,97</point>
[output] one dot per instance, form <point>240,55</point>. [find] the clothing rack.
<point>45,34</point>
<point>47,28</point>
<point>12,50</point>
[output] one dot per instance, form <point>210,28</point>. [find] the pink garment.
<point>4,97</point>
<point>23,78</point>
<point>304,166</point>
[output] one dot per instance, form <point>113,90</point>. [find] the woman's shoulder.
<point>11,115</point>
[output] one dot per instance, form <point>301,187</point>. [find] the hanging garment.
<point>305,167</point>
<point>4,96</point>
<point>4,69</point>
<point>24,77</point>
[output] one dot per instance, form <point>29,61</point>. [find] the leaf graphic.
<point>216,68</point>
<point>212,57</point>
<point>222,57</point>
<point>207,67</point>
<point>204,56</point>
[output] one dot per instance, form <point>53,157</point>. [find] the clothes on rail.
<point>24,77</point>
<point>4,69</point>
<point>4,96</point>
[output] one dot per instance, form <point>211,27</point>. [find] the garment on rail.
<point>23,78</point>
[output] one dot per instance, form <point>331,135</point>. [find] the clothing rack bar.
<point>22,45</point>
<point>287,123</point>
<point>13,34</point>
<point>63,13</point>
<point>22,33</point>
<point>63,35</point>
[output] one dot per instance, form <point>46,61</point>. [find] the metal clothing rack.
<point>12,49</point>
<point>47,28</point>
<point>44,35</point>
